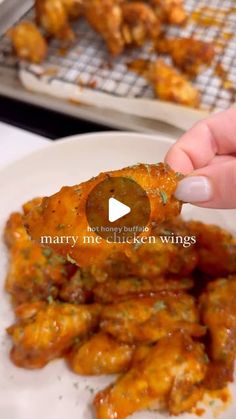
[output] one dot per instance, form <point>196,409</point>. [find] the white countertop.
<point>16,143</point>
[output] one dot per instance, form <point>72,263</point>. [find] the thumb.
<point>213,186</point>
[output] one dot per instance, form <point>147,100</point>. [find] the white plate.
<point>51,392</point>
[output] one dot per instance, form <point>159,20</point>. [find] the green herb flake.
<point>46,252</point>
<point>206,359</point>
<point>159,305</point>
<point>179,175</point>
<point>163,196</point>
<point>50,299</point>
<point>60,226</point>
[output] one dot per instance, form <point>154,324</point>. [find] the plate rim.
<point>87,137</point>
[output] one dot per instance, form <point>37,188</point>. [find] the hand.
<point>207,155</point>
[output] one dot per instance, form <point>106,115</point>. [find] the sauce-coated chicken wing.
<point>64,214</point>
<point>50,332</point>
<point>148,319</point>
<point>116,289</point>
<point>170,376</point>
<point>28,43</point>
<point>168,83</point>
<point>188,54</point>
<point>170,11</point>
<point>34,272</point>
<point>105,17</point>
<point>101,354</point>
<point>218,311</point>
<point>54,19</point>
<point>216,249</point>
<point>171,85</point>
<point>139,23</point>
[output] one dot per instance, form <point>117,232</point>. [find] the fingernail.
<point>194,189</point>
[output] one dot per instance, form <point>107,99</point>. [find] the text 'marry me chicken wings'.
<point>64,214</point>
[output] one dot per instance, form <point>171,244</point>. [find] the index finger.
<point>197,147</point>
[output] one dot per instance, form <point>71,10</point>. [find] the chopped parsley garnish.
<point>50,299</point>
<point>46,252</point>
<point>206,359</point>
<point>159,305</point>
<point>163,196</point>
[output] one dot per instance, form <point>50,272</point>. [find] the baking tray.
<point>128,98</point>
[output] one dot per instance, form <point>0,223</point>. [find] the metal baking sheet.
<point>87,62</point>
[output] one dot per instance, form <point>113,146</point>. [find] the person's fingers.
<point>197,147</point>
<point>220,160</point>
<point>213,186</point>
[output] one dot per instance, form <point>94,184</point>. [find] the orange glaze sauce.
<point>211,16</point>
<point>223,75</point>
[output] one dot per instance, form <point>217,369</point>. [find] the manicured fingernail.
<point>194,189</point>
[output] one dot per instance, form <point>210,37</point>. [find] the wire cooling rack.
<point>87,62</point>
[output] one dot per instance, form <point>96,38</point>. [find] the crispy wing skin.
<point>218,311</point>
<point>173,383</point>
<point>68,206</point>
<point>116,289</point>
<point>188,54</point>
<point>28,43</point>
<point>52,16</point>
<point>105,17</point>
<point>148,319</point>
<point>140,23</point>
<point>34,273</point>
<point>172,86</point>
<point>216,249</point>
<point>170,11</point>
<point>50,332</point>
<point>101,354</point>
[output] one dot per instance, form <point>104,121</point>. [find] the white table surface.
<point>16,143</point>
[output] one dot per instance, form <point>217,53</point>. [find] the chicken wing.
<point>50,332</point>
<point>216,249</point>
<point>190,55</point>
<point>34,273</point>
<point>172,86</point>
<point>170,11</point>
<point>148,319</point>
<point>140,23</point>
<point>28,43</point>
<point>170,376</point>
<point>116,289</point>
<point>105,17</point>
<point>54,19</point>
<point>168,83</point>
<point>218,311</point>
<point>101,354</point>
<point>68,206</point>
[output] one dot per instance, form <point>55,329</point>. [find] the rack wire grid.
<point>88,63</point>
